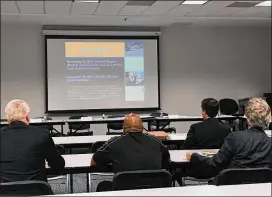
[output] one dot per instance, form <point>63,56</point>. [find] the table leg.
<point>149,126</point>
<point>61,130</point>
<point>157,125</point>
<point>88,182</point>
<point>71,183</point>
<point>67,183</point>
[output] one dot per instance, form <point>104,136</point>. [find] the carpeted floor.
<point>79,180</point>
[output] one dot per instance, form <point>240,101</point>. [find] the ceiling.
<point>112,12</point>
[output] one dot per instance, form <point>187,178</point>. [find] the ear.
<point>28,117</point>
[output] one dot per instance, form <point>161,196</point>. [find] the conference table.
<point>261,189</point>
<point>151,119</point>
<point>41,122</point>
<point>80,163</point>
<point>101,120</point>
<point>86,141</point>
<point>178,118</point>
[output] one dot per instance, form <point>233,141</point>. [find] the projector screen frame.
<point>46,37</point>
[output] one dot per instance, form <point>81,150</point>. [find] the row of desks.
<point>80,163</point>
<point>147,119</point>
<point>86,141</point>
<point>262,189</point>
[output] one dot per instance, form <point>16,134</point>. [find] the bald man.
<point>24,149</point>
<point>134,150</point>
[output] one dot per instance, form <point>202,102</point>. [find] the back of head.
<point>17,110</point>
<point>133,123</point>
<point>210,107</point>
<point>258,113</point>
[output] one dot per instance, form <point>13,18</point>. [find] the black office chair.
<point>46,127</point>
<point>61,151</point>
<point>163,125</point>
<point>228,106</point>
<point>115,126</point>
<point>243,176</point>
<point>74,127</point>
<point>25,188</point>
<point>96,146</point>
<point>269,100</point>
<point>142,179</point>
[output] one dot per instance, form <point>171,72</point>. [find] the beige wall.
<point>195,62</point>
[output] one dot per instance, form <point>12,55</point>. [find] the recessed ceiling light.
<point>264,3</point>
<point>193,2</point>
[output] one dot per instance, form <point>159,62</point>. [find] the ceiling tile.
<point>133,10</point>
<point>160,7</point>
<point>265,14</point>
<point>210,6</point>
<point>181,10</point>
<point>225,12</point>
<point>250,12</point>
<point>243,4</point>
<point>31,7</point>
<point>110,7</point>
<point>140,3</point>
<point>58,7</point>
<point>9,7</point>
<point>83,8</point>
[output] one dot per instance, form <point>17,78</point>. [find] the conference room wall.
<point>219,62</point>
<point>196,62</point>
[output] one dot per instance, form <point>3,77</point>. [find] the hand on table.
<point>188,155</point>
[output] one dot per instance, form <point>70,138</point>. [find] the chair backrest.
<point>78,126</point>
<point>269,100</point>
<point>115,126</point>
<point>244,176</point>
<point>60,148</point>
<point>45,126</point>
<point>162,124</point>
<point>228,106</point>
<point>25,188</point>
<point>96,146</point>
<point>142,179</point>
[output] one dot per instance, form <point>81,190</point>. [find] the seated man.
<point>134,150</point>
<point>210,133</point>
<point>241,149</point>
<point>24,148</point>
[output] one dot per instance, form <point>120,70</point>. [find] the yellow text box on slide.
<point>94,49</point>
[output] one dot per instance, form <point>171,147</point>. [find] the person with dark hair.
<point>210,133</point>
<point>210,108</point>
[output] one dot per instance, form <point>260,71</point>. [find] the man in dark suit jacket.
<point>251,148</point>
<point>210,133</point>
<point>24,149</point>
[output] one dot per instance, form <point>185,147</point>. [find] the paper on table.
<point>208,154</point>
<point>173,116</point>
<point>36,120</point>
<point>86,118</point>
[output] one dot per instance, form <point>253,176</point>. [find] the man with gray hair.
<point>241,149</point>
<point>24,149</point>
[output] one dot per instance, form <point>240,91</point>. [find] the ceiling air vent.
<point>242,4</point>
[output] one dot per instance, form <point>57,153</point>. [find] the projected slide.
<point>102,74</point>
